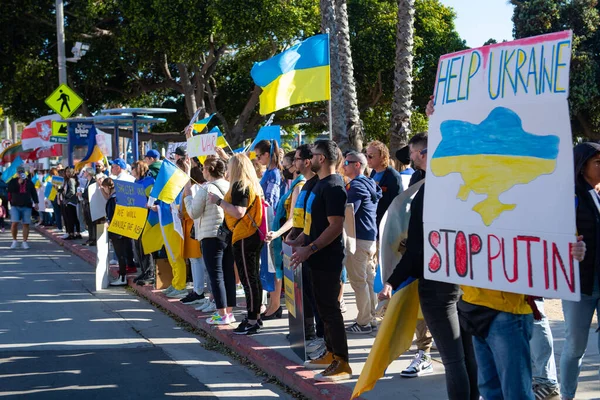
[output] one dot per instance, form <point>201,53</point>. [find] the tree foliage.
<point>189,54</point>
<point>536,17</point>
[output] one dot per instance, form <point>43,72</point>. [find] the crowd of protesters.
<point>235,210</point>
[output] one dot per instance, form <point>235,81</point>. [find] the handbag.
<point>223,233</point>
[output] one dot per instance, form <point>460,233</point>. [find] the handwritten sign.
<point>97,202</point>
<point>499,138</point>
<point>202,145</point>
<point>130,194</point>
<point>128,221</point>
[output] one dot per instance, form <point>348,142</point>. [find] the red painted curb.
<point>80,251</point>
<point>270,361</point>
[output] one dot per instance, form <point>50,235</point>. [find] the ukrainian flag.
<point>169,183</point>
<point>200,125</point>
<point>298,75</point>
<point>152,239</point>
<point>221,141</point>
<point>93,154</point>
<point>11,171</point>
<point>58,180</point>
<point>50,192</point>
<point>173,245</point>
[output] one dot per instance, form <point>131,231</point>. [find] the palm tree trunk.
<point>402,104</point>
<point>353,124</point>
<point>328,23</point>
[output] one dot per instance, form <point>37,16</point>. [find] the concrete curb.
<point>270,361</point>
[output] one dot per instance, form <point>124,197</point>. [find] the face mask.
<point>287,174</point>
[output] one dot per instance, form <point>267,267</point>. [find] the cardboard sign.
<point>128,221</point>
<point>104,142</point>
<point>97,202</point>
<point>292,281</point>
<point>202,145</point>
<point>499,208</point>
<point>130,194</point>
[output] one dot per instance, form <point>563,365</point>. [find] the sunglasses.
<point>348,162</point>
<point>370,156</point>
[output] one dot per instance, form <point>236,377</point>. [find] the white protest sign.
<point>97,202</point>
<point>173,146</point>
<point>202,145</point>
<point>499,208</point>
<point>104,142</point>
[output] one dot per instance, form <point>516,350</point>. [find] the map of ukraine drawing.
<point>492,157</point>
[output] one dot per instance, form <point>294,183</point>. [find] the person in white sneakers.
<point>22,196</point>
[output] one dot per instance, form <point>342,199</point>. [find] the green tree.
<point>535,17</point>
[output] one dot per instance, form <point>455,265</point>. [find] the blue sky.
<point>479,20</point>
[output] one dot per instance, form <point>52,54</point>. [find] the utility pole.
<point>60,43</point>
<point>7,128</point>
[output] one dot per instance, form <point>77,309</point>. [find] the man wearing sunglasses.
<point>361,265</point>
<point>388,179</point>
<point>320,245</point>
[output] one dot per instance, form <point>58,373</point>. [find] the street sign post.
<point>64,101</point>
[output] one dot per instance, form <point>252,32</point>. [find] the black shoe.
<point>140,277</point>
<point>92,244</point>
<point>276,314</point>
<point>69,238</point>
<point>192,298</point>
<point>244,328</point>
<point>146,281</point>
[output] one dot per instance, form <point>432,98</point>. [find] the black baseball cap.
<point>403,155</point>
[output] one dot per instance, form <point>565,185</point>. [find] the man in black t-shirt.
<point>321,245</point>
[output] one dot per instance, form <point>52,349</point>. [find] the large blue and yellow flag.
<point>298,75</point>
<point>200,125</point>
<point>173,239</point>
<point>93,154</point>
<point>11,171</point>
<point>394,337</point>
<point>152,239</point>
<point>169,183</point>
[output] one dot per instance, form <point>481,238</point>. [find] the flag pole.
<point>329,102</point>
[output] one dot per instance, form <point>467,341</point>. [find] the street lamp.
<point>78,51</point>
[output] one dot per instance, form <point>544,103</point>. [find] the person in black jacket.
<point>119,242</point>
<point>386,177</point>
<point>90,177</point>
<point>579,314</point>
<point>438,300</point>
<point>22,196</point>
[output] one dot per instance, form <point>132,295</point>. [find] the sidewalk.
<point>270,350</point>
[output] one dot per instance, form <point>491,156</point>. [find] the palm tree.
<point>353,124</point>
<point>402,104</point>
<point>328,24</point>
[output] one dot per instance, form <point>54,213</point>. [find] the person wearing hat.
<point>152,159</point>
<point>118,171</point>
<point>22,196</point>
<point>180,152</point>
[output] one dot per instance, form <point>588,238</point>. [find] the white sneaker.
<point>167,290</point>
<point>239,290</point>
<point>14,245</point>
<point>120,281</point>
<point>314,345</point>
<point>113,262</point>
<point>177,294</point>
<point>209,307</point>
<point>66,235</point>
<point>420,365</point>
<point>25,246</point>
<point>202,304</point>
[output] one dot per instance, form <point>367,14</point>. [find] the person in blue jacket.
<point>386,177</point>
<point>361,262</point>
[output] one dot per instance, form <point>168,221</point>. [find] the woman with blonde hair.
<point>243,216</point>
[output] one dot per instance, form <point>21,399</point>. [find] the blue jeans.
<point>57,215</point>
<point>20,214</point>
<point>198,274</point>
<point>504,358</point>
<point>542,350</point>
<point>578,320</point>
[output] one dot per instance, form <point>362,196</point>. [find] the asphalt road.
<point>60,338</point>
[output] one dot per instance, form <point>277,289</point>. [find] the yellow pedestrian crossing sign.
<point>64,101</point>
